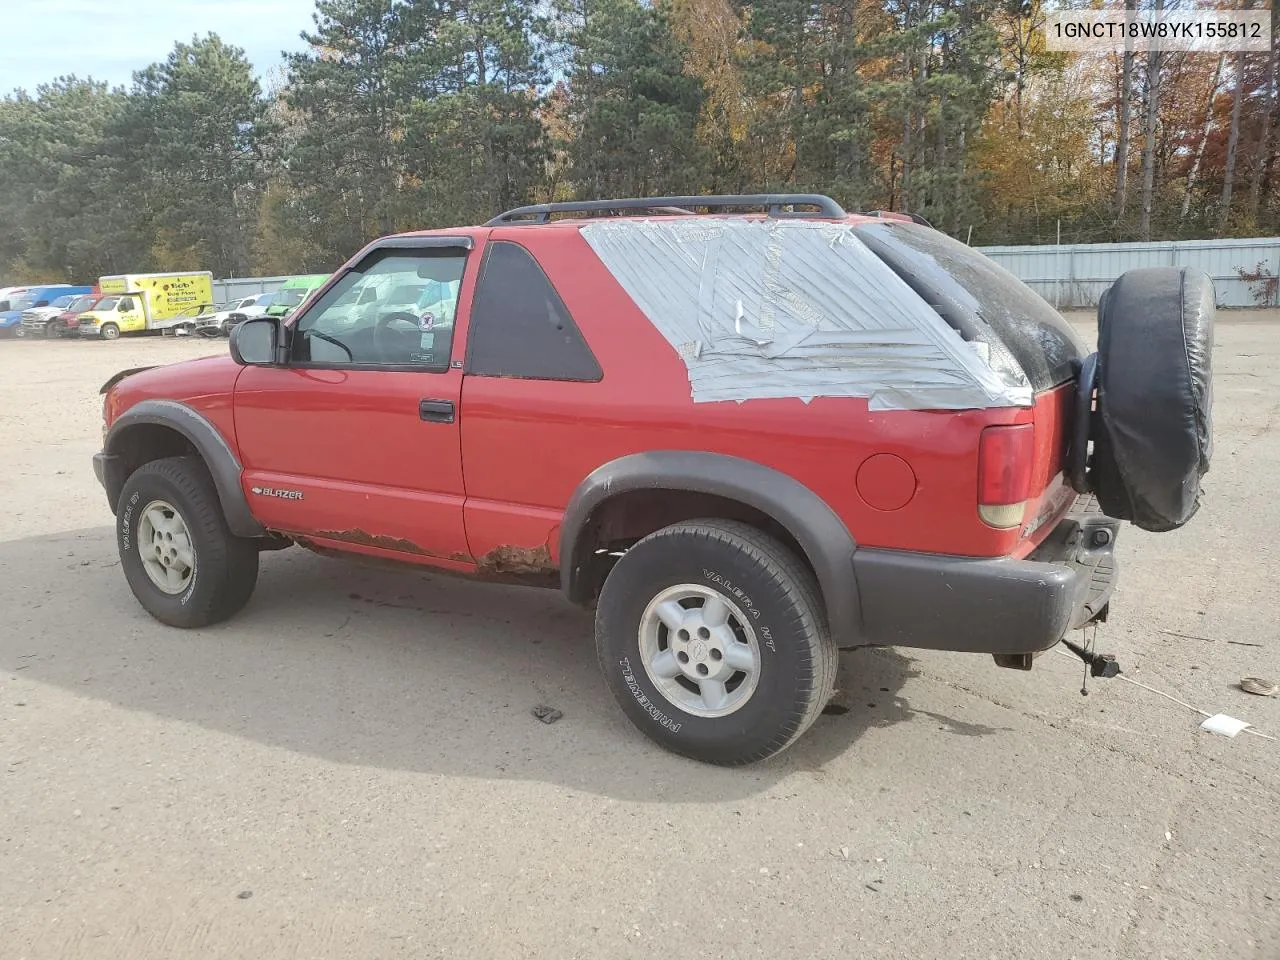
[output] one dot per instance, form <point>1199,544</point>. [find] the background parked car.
<point>219,321</point>
<point>32,322</point>
<point>38,296</point>
<point>67,323</point>
<point>293,292</point>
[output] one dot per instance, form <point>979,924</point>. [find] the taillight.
<point>1004,473</point>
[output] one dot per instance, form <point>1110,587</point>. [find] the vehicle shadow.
<point>390,669</point>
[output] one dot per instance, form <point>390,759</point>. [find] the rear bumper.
<point>994,605</point>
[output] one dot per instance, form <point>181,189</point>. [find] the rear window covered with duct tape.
<point>779,308</point>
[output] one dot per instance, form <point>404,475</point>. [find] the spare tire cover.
<point>1153,431</point>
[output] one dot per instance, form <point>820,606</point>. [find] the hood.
<point>180,381</point>
<point>121,375</point>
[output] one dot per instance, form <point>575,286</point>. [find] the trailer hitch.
<point>1101,665</point>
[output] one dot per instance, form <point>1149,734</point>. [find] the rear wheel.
<point>109,331</point>
<point>182,563</point>
<point>712,638</point>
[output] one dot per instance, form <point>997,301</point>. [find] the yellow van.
<point>138,302</point>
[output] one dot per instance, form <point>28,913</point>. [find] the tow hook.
<point>1101,665</point>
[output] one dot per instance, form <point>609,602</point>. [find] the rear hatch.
<point>1011,326</point>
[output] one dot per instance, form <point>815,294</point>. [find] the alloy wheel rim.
<point>699,650</point>
<point>165,548</point>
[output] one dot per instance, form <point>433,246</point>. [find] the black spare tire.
<point>1152,436</point>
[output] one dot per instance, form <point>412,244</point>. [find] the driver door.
<point>355,442</point>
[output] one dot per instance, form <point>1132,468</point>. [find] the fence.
<point>1070,275</point>
<point>1075,275</point>
<point>237,288</point>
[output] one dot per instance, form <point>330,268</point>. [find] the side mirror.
<point>256,342</point>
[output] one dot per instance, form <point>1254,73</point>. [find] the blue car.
<point>32,297</point>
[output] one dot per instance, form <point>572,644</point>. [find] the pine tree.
<point>200,133</point>
<point>633,110</point>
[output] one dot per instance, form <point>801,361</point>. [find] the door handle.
<point>436,411</point>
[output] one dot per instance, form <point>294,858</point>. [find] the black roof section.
<point>774,204</point>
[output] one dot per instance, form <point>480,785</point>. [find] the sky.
<point>109,39</point>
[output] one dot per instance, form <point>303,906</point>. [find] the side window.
<point>125,305</point>
<point>394,309</point>
<point>519,325</point>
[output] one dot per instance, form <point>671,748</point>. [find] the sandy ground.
<point>349,769</point>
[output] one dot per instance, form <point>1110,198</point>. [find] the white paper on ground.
<point>1227,726</point>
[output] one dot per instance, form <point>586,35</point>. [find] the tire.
<point>19,332</point>
<point>1153,435</point>
<point>773,603</point>
<point>109,331</point>
<point>55,330</point>
<point>224,567</point>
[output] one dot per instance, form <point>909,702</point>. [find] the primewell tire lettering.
<point>186,597</point>
<point>126,520</point>
<point>646,704</point>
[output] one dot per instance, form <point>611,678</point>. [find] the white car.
<point>218,322</point>
<point>35,319</point>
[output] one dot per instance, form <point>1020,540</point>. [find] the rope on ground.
<point>1169,696</point>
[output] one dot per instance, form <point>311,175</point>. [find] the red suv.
<point>747,437</point>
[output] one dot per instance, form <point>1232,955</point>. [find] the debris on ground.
<point>1258,686</point>
<point>1224,725</point>
<point>547,714</point>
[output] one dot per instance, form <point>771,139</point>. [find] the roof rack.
<point>893,215</point>
<point>775,205</point>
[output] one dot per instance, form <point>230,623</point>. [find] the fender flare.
<point>217,454</point>
<point>821,534</point>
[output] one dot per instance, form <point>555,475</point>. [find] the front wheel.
<point>712,638</point>
<point>182,563</point>
<point>20,331</point>
<point>55,330</point>
<point>109,331</point>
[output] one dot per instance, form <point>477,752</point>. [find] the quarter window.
<point>519,325</point>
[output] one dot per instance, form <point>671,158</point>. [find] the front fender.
<point>821,534</point>
<point>218,456</point>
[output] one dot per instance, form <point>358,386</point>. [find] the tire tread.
<point>794,580</point>
<point>233,560</point>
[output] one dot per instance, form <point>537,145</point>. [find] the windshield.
<point>62,302</point>
<point>107,303</point>
<point>289,296</point>
<point>80,304</point>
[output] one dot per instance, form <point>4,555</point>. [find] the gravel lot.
<point>350,769</point>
